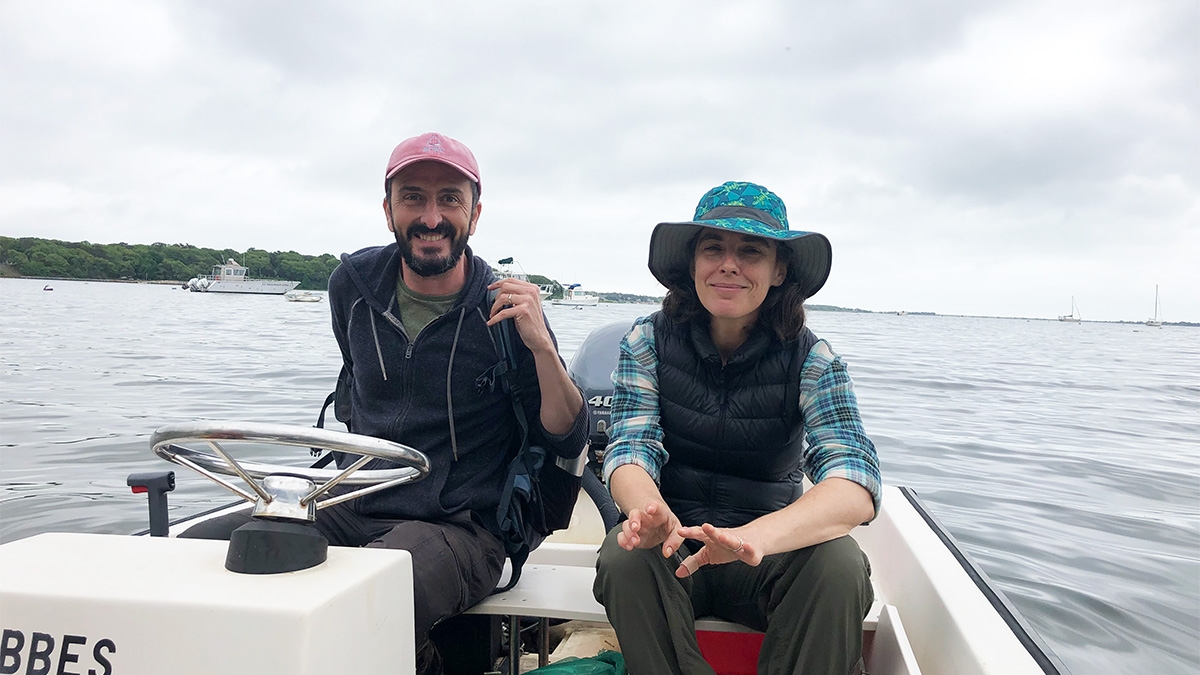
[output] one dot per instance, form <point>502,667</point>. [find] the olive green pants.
<point>810,604</point>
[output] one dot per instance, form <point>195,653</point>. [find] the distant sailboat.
<point>1156,321</point>
<point>1074,316</point>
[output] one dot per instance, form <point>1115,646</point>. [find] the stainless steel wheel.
<point>285,492</point>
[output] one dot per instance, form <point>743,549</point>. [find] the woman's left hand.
<point>721,545</point>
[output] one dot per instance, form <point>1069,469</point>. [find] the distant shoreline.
<point>833,308</point>
<point>160,282</point>
<point>811,308</point>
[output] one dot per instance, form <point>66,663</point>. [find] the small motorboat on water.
<point>303,296</point>
<point>47,287</point>
<point>275,599</point>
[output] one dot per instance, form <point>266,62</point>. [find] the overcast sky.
<point>989,158</point>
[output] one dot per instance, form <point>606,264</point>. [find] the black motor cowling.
<point>592,368</point>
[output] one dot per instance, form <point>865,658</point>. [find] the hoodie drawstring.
<point>449,390</point>
<point>378,349</point>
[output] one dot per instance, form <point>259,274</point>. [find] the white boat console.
<point>94,604</point>
<point>274,599</point>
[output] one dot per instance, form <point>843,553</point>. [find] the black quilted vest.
<point>734,433</point>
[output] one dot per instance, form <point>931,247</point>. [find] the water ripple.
<point>1064,457</point>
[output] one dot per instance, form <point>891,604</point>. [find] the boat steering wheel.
<point>281,492</point>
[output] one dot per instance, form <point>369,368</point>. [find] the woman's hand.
<point>650,526</point>
<point>828,510</point>
<point>721,545</point>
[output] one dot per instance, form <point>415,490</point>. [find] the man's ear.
<point>387,212</point>
<point>475,218</point>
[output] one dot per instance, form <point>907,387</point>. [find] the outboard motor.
<point>592,368</point>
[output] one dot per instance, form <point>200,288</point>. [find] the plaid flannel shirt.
<point>836,446</point>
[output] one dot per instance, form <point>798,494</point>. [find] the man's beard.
<point>435,265</point>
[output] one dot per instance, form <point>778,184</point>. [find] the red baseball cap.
<point>434,147</point>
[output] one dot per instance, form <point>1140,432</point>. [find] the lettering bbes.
<point>45,654</point>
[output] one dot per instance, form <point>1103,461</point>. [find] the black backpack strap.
<point>523,470</point>
<point>517,558</point>
<point>328,456</point>
<point>339,398</point>
<point>328,402</point>
<point>522,478</point>
<point>502,332</point>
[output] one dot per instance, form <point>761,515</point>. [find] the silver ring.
<point>741,545</point>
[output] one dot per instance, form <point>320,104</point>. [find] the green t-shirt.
<point>417,310</point>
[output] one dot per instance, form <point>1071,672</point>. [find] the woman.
<point>729,385</point>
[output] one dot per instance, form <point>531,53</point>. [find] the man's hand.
<point>519,300</point>
<point>562,402</point>
<point>650,526</point>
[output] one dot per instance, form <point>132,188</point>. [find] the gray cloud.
<point>948,149</point>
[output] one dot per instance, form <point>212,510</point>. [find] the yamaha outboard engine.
<point>592,368</point>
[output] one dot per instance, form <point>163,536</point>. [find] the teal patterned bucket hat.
<point>749,209</point>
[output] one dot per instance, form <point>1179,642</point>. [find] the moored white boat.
<point>506,270</point>
<point>303,296</point>
<point>231,278</point>
<point>573,297</point>
<point>1156,321</point>
<point>1074,316</point>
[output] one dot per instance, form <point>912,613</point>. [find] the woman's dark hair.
<point>782,311</point>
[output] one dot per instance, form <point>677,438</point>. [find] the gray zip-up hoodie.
<point>433,393</point>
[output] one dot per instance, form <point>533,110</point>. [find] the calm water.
<point>1065,457</point>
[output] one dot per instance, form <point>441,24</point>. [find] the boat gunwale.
<point>1038,650</point>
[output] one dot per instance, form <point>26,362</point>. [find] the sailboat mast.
<point>1156,321</point>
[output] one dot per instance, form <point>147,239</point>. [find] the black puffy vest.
<point>733,432</point>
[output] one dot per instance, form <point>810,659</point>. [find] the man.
<point>412,319</point>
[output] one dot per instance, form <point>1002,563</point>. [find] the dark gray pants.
<point>810,603</point>
<point>456,562</point>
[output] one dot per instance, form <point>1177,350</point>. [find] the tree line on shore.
<point>36,257</point>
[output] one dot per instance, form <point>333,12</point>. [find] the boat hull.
<point>255,287</point>
<point>303,296</point>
